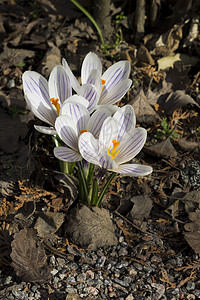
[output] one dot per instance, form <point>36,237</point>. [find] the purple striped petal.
<point>126,120</point>
<point>45,114</point>
<point>74,82</point>
<point>45,130</point>
<point>105,161</point>
<point>135,170</point>
<point>89,92</point>
<point>67,131</point>
<point>131,145</point>
<point>67,154</point>
<point>59,84</point>
<point>116,73</point>
<point>90,62</point>
<point>36,84</point>
<point>113,93</point>
<point>88,147</point>
<point>75,99</point>
<point>78,113</point>
<point>109,132</point>
<point>96,121</point>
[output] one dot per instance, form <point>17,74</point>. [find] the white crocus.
<point>73,121</point>
<point>45,98</point>
<point>118,143</point>
<point>108,87</point>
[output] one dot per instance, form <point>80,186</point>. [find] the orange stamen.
<point>56,103</point>
<point>102,82</point>
<point>83,130</point>
<point>113,153</point>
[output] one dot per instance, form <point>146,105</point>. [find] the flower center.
<point>56,103</point>
<point>102,82</point>
<point>83,130</point>
<point>113,152</point>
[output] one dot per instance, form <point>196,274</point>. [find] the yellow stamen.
<point>56,103</point>
<point>83,130</point>
<point>113,153</point>
<point>102,82</point>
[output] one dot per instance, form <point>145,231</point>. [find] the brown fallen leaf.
<point>163,149</point>
<point>176,100</point>
<point>192,233</point>
<point>48,223</point>
<point>188,145</point>
<point>29,258</point>
<point>141,208</point>
<point>143,110</point>
<point>91,227</point>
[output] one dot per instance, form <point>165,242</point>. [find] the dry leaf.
<point>162,149</point>
<point>12,57</point>
<point>141,208</point>
<point>91,227</point>
<point>192,235</point>
<point>143,110</point>
<point>29,258</point>
<point>51,59</point>
<point>188,145</point>
<point>176,100</point>
<point>48,223</point>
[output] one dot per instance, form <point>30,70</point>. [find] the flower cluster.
<point>84,117</point>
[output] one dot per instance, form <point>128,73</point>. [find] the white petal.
<point>59,84</point>
<point>112,108</point>
<point>36,84</point>
<point>88,147</point>
<point>135,170</point>
<point>96,121</point>
<point>74,82</point>
<point>67,131</point>
<point>117,72</point>
<point>131,145</point>
<point>90,62</point>
<point>45,130</point>
<point>42,112</point>
<point>126,120</point>
<point>78,113</point>
<point>105,160</point>
<point>89,92</point>
<point>112,94</point>
<point>109,132</point>
<point>67,154</point>
<point>75,99</point>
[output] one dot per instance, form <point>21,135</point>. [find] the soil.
<point>160,209</point>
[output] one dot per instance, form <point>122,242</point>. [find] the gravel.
<point>131,270</point>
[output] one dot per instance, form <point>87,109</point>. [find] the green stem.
<point>90,174</point>
<point>91,19</point>
<point>104,189</point>
<point>83,189</point>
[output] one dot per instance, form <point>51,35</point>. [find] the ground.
<point>156,248</point>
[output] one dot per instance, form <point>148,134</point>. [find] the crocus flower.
<point>45,98</point>
<point>108,87</point>
<point>73,121</point>
<point>118,143</point>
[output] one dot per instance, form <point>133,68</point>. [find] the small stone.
<point>92,290</point>
<point>190,297</point>
<point>121,239</point>
<point>90,274</point>
<point>190,285</point>
<point>8,280</point>
<point>54,272</point>
<point>129,297</point>
<point>61,262</point>
<point>123,252</point>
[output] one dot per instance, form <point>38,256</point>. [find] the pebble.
<point>190,285</point>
